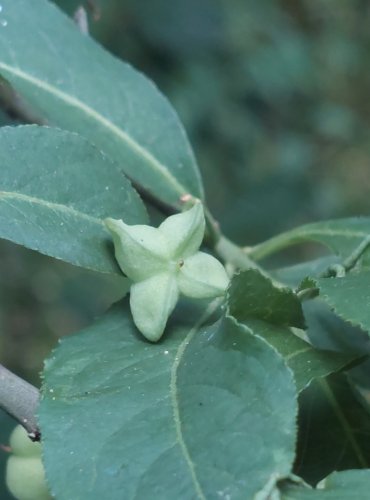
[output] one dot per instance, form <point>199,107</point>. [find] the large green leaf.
<point>338,486</point>
<point>306,362</point>
<point>267,310</point>
<point>349,297</point>
<point>342,236</point>
<point>78,86</point>
<point>203,414</point>
<point>55,190</point>
<point>253,296</point>
<point>333,430</point>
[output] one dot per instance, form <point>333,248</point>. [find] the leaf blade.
<point>130,120</point>
<point>348,296</point>
<point>53,199</point>
<point>163,442</point>
<point>253,296</point>
<point>306,362</point>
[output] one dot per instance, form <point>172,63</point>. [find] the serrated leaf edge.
<point>334,308</point>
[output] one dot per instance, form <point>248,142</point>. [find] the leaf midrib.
<point>174,395</point>
<point>73,101</point>
<point>325,387</point>
<point>50,205</point>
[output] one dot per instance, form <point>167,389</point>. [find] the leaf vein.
<point>174,397</point>
<point>344,423</point>
<point>75,102</point>
<point>56,207</point>
<point>297,353</point>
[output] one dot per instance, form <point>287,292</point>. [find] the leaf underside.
<point>333,430</point>
<point>341,236</point>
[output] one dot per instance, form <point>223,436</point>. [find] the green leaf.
<point>254,301</point>
<point>349,297</point>
<point>325,330</point>
<point>359,379</point>
<point>333,430</point>
<point>306,362</point>
<point>204,413</point>
<point>253,296</point>
<point>341,236</point>
<point>337,486</point>
<point>55,190</point>
<point>77,85</point>
<point>294,275</point>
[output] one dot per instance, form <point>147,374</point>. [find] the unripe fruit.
<point>21,445</point>
<point>163,263</point>
<point>25,476</point>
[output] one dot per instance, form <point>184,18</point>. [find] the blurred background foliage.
<point>274,97</point>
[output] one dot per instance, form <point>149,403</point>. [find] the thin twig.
<point>81,20</point>
<point>337,270</point>
<point>20,400</point>
<point>148,196</point>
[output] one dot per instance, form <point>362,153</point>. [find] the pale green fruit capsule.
<point>22,445</point>
<point>202,277</point>
<point>141,251</point>
<point>25,476</point>
<point>151,303</point>
<point>184,232</point>
<point>163,262</point>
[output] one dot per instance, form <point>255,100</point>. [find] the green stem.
<point>308,293</point>
<point>336,270</point>
<point>214,239</point>
<point>274,244</point>
<point>356,255</point>
<point>224,248</point>
<point>213,232</point>
<point>229,252</point>
<point>340,270</point>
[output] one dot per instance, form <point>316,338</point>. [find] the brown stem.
<point>148,196</point>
